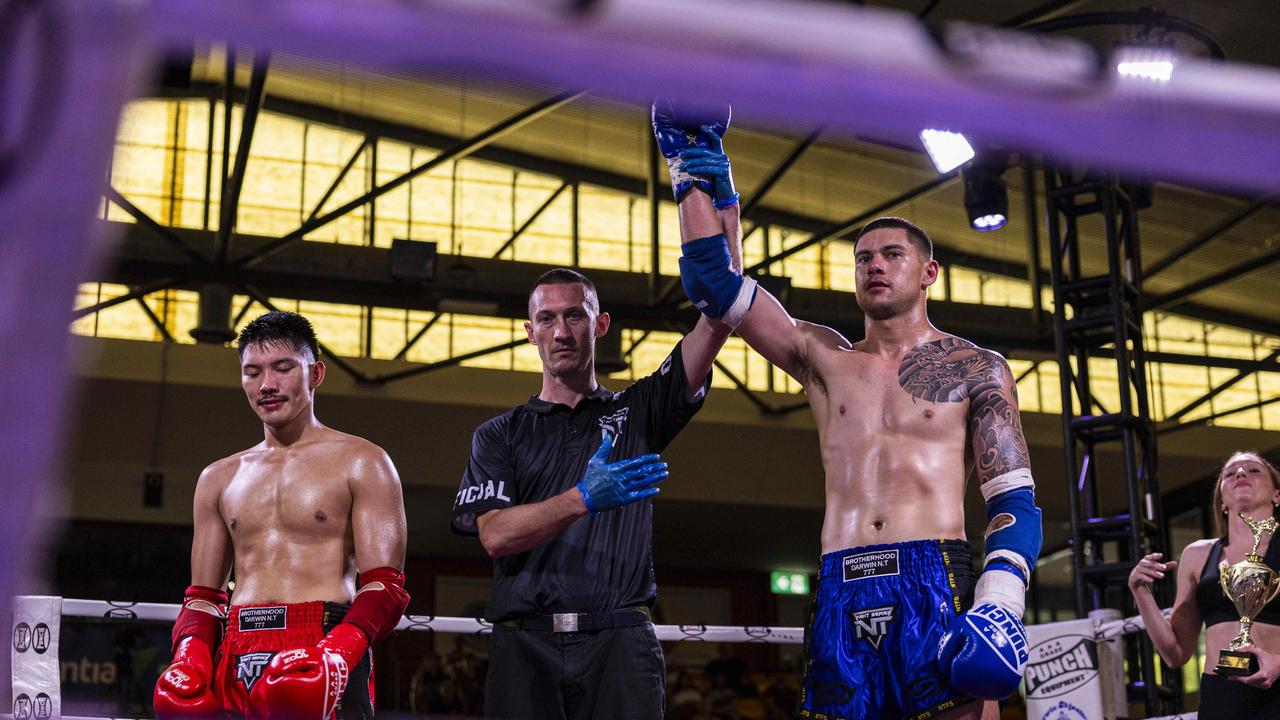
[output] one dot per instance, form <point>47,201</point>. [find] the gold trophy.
<point>1250,585</point>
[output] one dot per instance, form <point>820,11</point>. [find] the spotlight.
<point>1147,63</point>
<point>1152,70</point>
<point>948,150</point>
<point>986,198</point>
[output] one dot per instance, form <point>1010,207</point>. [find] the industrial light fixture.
<point>986,199</point>
<point>948,150</point>
<point>1147,63</point>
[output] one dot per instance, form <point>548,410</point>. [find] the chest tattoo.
<point>946,370</point>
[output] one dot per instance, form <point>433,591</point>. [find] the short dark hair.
<point>280,328</point>
<point>915,233</point>
<point>565,276</point>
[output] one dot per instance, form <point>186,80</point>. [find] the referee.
<point>558,491</point>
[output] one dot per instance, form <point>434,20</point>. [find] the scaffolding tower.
<point>1097,322</point>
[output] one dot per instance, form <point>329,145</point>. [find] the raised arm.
<point>702,216</point>
<point>711,248</point>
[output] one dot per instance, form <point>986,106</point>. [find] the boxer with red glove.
<point>293,516</point>
<point>185,688</point>
<point>309,682</point>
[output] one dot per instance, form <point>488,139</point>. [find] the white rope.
<point>119,610</point>
<point>1127,626</point>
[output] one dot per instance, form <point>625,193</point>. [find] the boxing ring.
<point>859,71</point>
<point>1070,661</point>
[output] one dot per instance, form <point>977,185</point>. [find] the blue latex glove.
<point>707,160</point>
<point>607,485</point>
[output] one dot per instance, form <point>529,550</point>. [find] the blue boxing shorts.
<point>879,613</point>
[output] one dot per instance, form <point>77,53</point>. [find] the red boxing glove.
<point>307,683</point>
<point>203,614</point>
<point>184,689</point>
<point>379,603</point>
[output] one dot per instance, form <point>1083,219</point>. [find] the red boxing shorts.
<point>255,633</point>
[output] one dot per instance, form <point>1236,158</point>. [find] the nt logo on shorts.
<point>249,667</point>
<point>872,625</point>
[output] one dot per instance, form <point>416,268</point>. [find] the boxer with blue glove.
<point>901,627</point>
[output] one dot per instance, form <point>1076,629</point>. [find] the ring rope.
<point>124,610</point>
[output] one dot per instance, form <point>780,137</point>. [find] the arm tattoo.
<point>954,370</point>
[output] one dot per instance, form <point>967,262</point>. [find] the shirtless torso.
<point>901,415</point>
<point>301,517</point>
<point>287,516</point>
<point>893,430</point>
<point>301,512</point>
<point>897,414</point>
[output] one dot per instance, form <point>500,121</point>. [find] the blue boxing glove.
<point>606,485</point>
<point>708,161</point>
<point>984,652</point>
<point>679,129</point>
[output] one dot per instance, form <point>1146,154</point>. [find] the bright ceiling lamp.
<point>1146,63</point>
<point>1160,70</point>
<point>948,150</point>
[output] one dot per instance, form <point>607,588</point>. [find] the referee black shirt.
<point>601,562</point>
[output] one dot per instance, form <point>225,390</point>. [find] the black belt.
<point>580,622</point>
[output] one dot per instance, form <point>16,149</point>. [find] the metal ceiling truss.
<point>1218,389</point>
<point>481,146</point>
<point>232,184</point>
<point>337,181</point>
<point>1174,300</point>
<point>457,152</point>
<point>641,187</point>
<point>1203,238</point>
<point>1208,419</point>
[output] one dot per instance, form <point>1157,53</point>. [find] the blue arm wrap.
<point>1013,536</point>
<point>711,284</point>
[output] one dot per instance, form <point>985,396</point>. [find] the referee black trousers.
<point>616,674</point>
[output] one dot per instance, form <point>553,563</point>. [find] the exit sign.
<point>786,583</point>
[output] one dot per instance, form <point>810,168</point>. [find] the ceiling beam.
<point>635,186</point>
